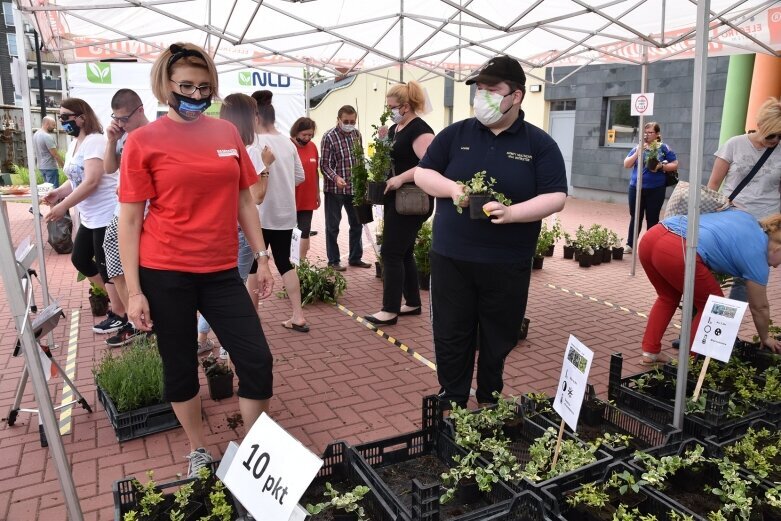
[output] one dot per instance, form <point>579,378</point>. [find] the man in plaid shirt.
<point>336,160</point>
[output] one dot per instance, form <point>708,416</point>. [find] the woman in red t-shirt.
<point>181,259</point>
<point>308,192</point>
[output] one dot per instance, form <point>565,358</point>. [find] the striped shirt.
<point>336,159</point>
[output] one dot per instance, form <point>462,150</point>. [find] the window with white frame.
<point>621,129</point>
<point>8,14</point>
<point>11,39</point>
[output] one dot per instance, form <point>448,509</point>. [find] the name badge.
<point>227,152</point>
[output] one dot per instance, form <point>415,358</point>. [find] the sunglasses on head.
<point>66,117</point>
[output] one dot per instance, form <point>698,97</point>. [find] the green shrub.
<point>21,176</point>
<point>132,378</point>
<point>421,249</point>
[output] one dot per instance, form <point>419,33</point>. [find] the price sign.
<point>719,327</point>
<point>643,104</point>
<point>573,381</point>
<point>270,471</point>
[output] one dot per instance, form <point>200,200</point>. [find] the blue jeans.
<point>245,263</point>
<point>333,217</point>
<point>650,207</point>
<point>51,176</point>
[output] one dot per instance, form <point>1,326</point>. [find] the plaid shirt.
<point>336,159</point>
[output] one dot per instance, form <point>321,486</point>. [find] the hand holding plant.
<point>478,185</point>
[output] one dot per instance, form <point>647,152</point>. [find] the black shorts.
<point>88,256</point>
<point>279,243</point>
<point>305,222</point>
<point>174,298</point>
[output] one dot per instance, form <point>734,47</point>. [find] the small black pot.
<point>364,213</point>
<point>569,252</point>
<point>468,491</point>
<point>378,270</point>
<point>98,304</point>
<point>607,255</point>
<point>549,251</point>
<point>537,262</point>
<point>584,261</point>
<point>220,386</point>
<point>375,192</point>
<point>618,253</point>
<point>424,280</point>
<point>592,412</point>
<point>345,516</point>
<point>596,258</point>
<point>652,164</point>
<point>476,202</point>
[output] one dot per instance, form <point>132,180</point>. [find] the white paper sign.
<point>270,471</point>
<point>719,327</point>
<point>295,247</point>
<point>573,381</point>
<point>643,104</point>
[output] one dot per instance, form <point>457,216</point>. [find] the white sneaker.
<point>223,353</point>
<point>627,249</point>
<point>198,458</point>
<point>205,346</point>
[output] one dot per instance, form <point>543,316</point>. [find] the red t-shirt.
<point>306,192</point>
<point>191,173</point>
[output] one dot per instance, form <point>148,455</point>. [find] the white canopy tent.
<point>444,37</point>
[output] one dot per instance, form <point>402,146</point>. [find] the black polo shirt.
<point>524,160</point>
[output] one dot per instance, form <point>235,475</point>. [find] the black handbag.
<point>411,200</point>
<point>671,178</point>
<point>61,234</point>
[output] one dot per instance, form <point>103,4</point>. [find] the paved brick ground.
<point>341,381</point>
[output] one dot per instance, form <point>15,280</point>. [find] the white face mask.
<point>346,128</point>
<point>396,115</point>
<point>487,106</point>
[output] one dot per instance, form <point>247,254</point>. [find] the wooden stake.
<point>558,445</point>
<point>701,379</point>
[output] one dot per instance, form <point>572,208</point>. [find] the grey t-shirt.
<point>762,196</point>
<point>43,142</point>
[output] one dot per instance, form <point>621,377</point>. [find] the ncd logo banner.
<point>279,80</point>
<point>99,73</point>
<point>263,79</point>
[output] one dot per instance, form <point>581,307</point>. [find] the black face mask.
<point>71,128</point>
<point>189,109</point>
<point>301,141</point>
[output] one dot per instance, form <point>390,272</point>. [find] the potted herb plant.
<point>219,377</point>
<point>359,177</point>
<point>569,247</point>
<point>544,243</point>
<point>421,251</point>
<point>98,300</point>
<point>345,505</point>
<point>480,191</point>
<point>380,162</point>
<point>616,248</point>
<point>652,159</point>
<point>130,387</point>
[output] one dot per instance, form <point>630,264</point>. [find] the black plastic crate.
<point>368,457</point>
<point>139,422</point>
<point>126,495</point>
<point>717,447</point>
<point>755,355</point>
<point>645,433</point>
<point>558,509</point>
<point>714,422</point>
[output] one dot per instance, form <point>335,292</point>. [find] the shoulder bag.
<point>411,200</point>
<point>710,200</point>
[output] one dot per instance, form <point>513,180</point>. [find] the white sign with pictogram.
<point>719,327</point>
<point>643,104</point>
<point>573,381</point>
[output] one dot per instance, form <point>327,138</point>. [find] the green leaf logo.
<point>99,72</point>
<point>245,78</point>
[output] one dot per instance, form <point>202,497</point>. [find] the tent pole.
<point>306,89</point>
<point>13,289</point>
<point>401,43</point>
<point>640,164</point>
<point>695,177</point>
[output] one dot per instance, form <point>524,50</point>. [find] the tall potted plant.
<point>380,163</point>
<point>359,177</point>
<point>421,251</point>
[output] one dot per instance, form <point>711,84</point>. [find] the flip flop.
<point>301,328</point>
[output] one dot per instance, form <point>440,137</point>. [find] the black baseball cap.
<point>501,68</point>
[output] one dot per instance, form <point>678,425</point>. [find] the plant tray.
<point>645,433</point>
<point>753,354</point>
<point>140,422</point>
<point>714,422</point>
<point>717,447</point>
<point>126,495</point>
<point>560,510</point>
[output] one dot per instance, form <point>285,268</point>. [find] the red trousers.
<point>662,254</point>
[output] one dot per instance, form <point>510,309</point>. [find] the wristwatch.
<point>261,253</point>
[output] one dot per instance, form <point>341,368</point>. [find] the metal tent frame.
<point>443,37</point>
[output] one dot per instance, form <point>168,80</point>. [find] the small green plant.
<point>756,451</point>
<point>318,283</point>
<point>422,247</point>
<point>546,239</point>
<point>359,174</point>
<point>132,377</point>
<point>96,291</point>
<point>213,366</point>
<point>377,167</point>
<point>573,454</point>
<point>348,502</point>
<point>659,469</point>
<point>480,185</point>
<point>654,147</point>
<point>589,494</point>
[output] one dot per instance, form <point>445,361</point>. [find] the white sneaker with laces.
<point>205,346</point>
<point>627,249</point>
<point>199,458</point>
<point>223,353</point>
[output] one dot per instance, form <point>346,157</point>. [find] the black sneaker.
<point>112,323</point>
<point>124,336</point>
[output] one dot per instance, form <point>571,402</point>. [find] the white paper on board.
<point>719,327</point>
<point>573,381</point>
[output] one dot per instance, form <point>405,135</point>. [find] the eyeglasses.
<point>67,117</point>
<point>189,89</point>
<point>125,119</point>
<point>771,137</point>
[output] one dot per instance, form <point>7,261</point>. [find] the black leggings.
<point>88,256</point>
<point>174,298</point>
<point>279,243</point>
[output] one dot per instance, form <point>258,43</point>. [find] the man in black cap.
<point>480,269</point>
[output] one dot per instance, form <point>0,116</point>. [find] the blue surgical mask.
<point>71,128</point>
<point>189,109</point>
